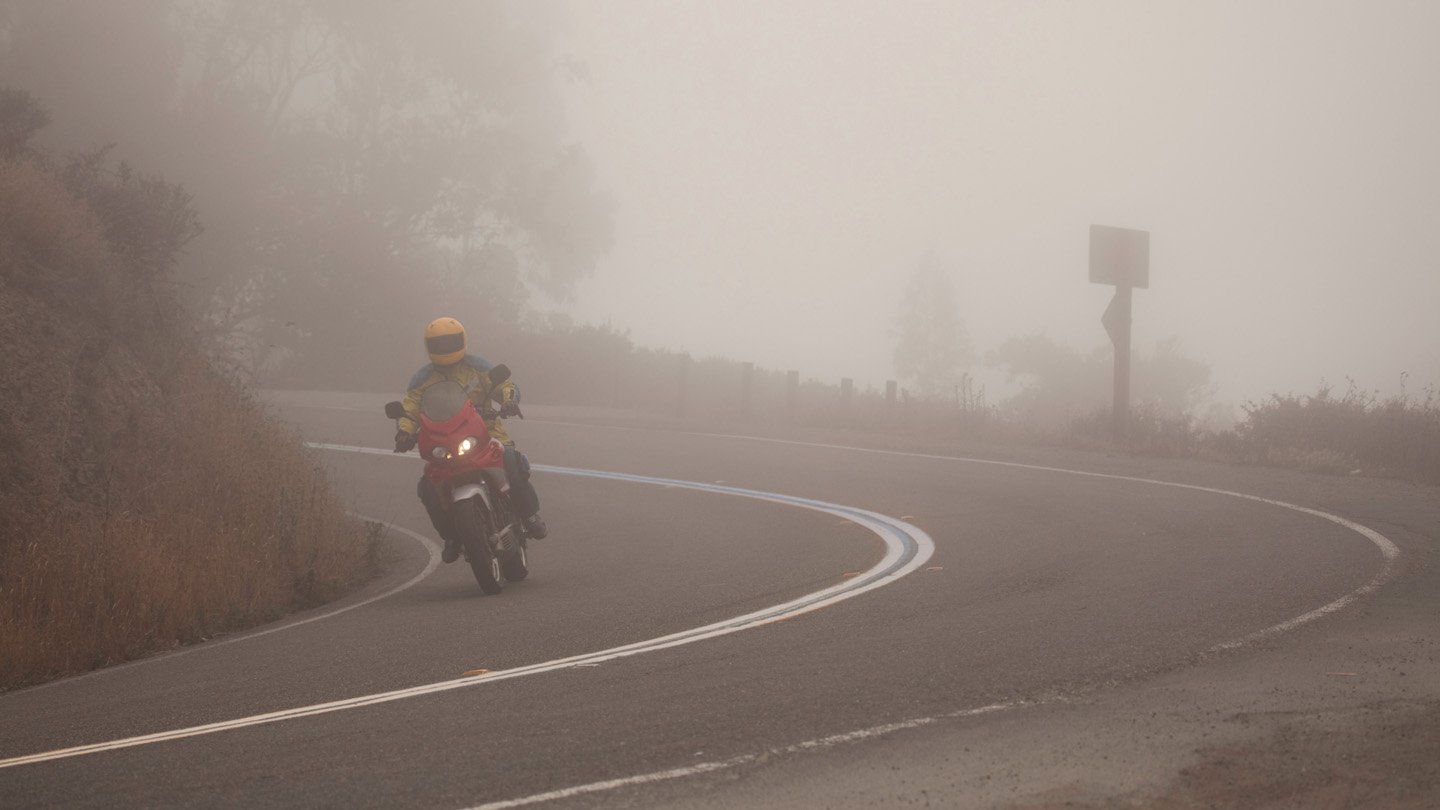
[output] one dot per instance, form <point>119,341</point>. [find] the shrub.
<point>145,500</point>
<point>21,116</point>
<point>1398,434</point>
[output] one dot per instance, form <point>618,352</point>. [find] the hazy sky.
<point>780,167</point>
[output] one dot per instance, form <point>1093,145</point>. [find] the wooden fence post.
<point>684,383</point>
<point>747,381</point>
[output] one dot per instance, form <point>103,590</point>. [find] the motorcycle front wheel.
<point>473,522</point>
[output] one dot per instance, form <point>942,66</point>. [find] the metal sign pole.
<point>1120,336</point>
<point>1120,257</point>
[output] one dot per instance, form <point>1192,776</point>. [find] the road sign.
<point>1119,256</point>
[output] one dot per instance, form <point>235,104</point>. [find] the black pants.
<point>523,497</point>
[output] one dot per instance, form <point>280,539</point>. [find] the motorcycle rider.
<point>445,343</point>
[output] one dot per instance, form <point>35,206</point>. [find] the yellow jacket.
<point>471,374</point>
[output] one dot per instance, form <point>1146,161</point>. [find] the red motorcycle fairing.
<point>489,454</point>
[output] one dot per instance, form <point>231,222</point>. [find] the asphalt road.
<point>1055,605</point>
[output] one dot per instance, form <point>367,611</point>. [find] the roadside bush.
<point>1356,430</point>
<point>145,499</point>
<point>1151,430</point>
<point>21,116</point>
<point>216,522</point>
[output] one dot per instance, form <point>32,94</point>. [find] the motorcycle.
<point>467,467</point>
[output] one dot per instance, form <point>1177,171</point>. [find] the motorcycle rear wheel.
<point>473,522</point>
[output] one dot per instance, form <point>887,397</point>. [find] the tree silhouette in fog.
<point>359,166</point>
<point>1060,384</point>
<point>932,348</point>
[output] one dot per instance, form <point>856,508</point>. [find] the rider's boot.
<point>451,552</point>
<point>535,527</point>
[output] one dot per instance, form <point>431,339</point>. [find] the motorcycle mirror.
<point>394,410</point>
<point>499,374</point>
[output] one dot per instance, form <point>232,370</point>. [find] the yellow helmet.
<point>445,341</point>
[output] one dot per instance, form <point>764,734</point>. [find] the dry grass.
<point>1398,435</point>
<point>1357,432</point>
<point>145,501</point>
<point>223,524</point>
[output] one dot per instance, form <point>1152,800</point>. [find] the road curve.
<point>1043,584</point>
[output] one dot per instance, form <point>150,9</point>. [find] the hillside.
<point>145,499</point>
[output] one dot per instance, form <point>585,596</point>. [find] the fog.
<point>759,179</point>
<point>780,167</point>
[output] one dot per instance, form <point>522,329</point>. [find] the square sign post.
<point>1120,257</point>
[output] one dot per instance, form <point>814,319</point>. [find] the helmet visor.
<point>445,344</point>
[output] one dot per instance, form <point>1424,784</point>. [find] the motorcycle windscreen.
<point>442,401</point>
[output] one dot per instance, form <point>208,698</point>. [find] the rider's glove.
<point>404,442</point>
<point>509,408</point>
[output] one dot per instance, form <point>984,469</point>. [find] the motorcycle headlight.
<point>468,444</point>
<point>439,453</point>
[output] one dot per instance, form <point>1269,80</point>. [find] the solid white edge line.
<point>892,532</point>
<point>432,563</point>
<point>743,759</point>
<point>1387,548</point>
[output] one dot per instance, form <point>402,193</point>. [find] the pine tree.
<point>932,348</point>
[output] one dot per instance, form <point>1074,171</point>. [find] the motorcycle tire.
<point>474,526</point>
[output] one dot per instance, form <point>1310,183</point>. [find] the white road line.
<point>743,759</point>
<point>868,581</point>
<point>906,549</point>
<point>1388,550</point>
